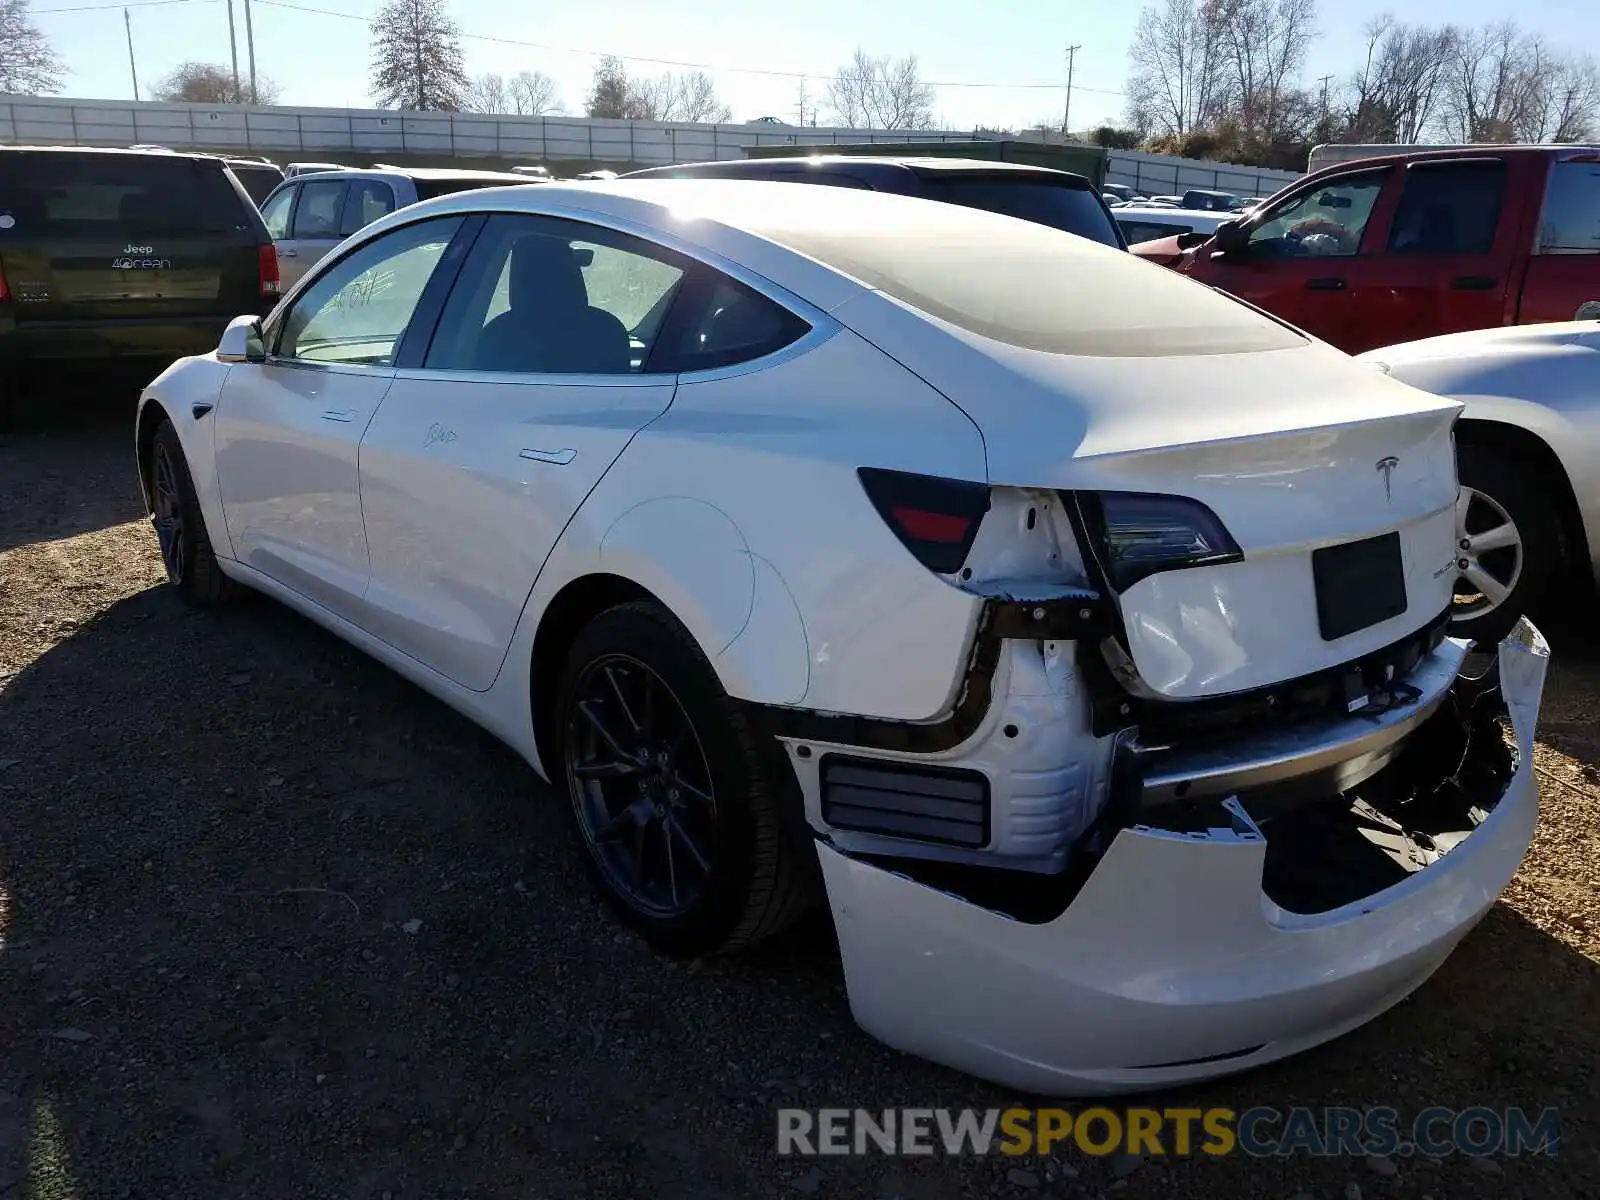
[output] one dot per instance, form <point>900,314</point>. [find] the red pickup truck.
<point>1383,250</point>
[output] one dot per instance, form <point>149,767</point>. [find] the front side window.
<point>317,214</point>
<point>356,311</point>
<point>1570,223</point>
<point>276,213</point>
<point>368,200</point>
<point>545,296</point>
<point>1449,208</point>
<point>1322,222</point>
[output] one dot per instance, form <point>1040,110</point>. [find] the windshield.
<point>1074,209</point>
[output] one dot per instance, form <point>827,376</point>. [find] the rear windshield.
<point>427,189</point>
<point>1025,285</point>
<point>257,181</point>
<point>1075,209</point>
<point>117,195</point>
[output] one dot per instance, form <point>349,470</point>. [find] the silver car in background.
<point>309,214</point>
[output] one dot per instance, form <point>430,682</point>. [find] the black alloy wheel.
<point>642,787</point>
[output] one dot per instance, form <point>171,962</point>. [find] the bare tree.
<point>1485,86</point>
<point>688,97</point>
<point>526,94</point>
<point>416,57</point>
<point>1264,45</point>
<point>877,93</point>
<point>29,65</point>
<point>1395,95</point>
<point>209,83</point>
<point>534,94</point>
<point>1176,80</point>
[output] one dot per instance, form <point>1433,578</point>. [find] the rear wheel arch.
<point>1532,450</point>
<point>574,606</point>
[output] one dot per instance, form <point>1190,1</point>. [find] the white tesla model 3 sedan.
<point>1075,632</point>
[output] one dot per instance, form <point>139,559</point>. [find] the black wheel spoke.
<point>683,785</point>
<point>622,701</point>
<point>606,768</point>
<point>613,829</point>
<point>591,712</point>
<point>672,865</point>
<point>674,828</point>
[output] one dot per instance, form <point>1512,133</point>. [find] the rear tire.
<point>676,799</point>
<point>1508,532</point>
<point>181,527</point>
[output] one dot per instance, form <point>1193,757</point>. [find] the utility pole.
<point>1325,81</point>
<point>250,43</point>
<point>1066,113</point>
<point>232,45</point>
<point>800,103</point>
<point>132,67</point>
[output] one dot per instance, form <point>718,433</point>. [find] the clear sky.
<point>319,59</point>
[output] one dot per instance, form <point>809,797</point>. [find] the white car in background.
<point>1529,444</point>
<point>818,543</point>
<point>1142,223</point>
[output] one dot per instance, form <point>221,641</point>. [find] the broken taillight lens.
<point>934,518</point>
<point>1141,534</point>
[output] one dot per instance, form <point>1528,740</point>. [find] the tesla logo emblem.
<point>1386,468</point>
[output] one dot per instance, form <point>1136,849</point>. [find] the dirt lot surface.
<point>219,835</point>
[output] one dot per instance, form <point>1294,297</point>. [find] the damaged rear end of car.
<point>1215,786</point>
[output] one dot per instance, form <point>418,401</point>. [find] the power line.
<point>37,12</point>
<point>670,62</point>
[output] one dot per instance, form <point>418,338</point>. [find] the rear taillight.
<point>269,269</point>
<point>1139,534</point>
<point>5,288</point>
<point>935,518</point>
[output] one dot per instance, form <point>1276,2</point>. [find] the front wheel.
<point>675,797</point>
<point>1508,544</point>
<point>180,526</point>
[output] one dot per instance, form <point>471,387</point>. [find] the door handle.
<point>288,254</point>
<point>1325,284</point>
<point>344,417</point>
<point>560,457</point>
<point>1473,283</point>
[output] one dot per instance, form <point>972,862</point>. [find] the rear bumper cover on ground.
<point>1171,964</point>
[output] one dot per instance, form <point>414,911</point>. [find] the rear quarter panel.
<point>740,509</point>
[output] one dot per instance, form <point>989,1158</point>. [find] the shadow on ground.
<point>278,924</point>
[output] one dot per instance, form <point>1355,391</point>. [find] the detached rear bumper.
<point>1171,964</point>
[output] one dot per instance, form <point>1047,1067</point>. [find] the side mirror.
<point>1233,239</point>
<point>241,342</point>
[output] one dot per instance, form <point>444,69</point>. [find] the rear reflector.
<point>900,800</point>
<point>936,519</point>
<point>269,270</point>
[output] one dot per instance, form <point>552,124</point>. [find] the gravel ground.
<point>276,924</point>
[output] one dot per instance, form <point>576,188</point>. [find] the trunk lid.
<point>1296,450</point>
<point>91,238</point>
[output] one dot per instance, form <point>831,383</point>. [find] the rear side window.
<point>427,189</point>
<point>317,214</point>
<point>257,181</point>
<point>723,323</point>
<point>368,200</point>
<point>1449,209</point>
<point>1074,209</point>
<point>118,195</point>
<point>1571,220</point>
